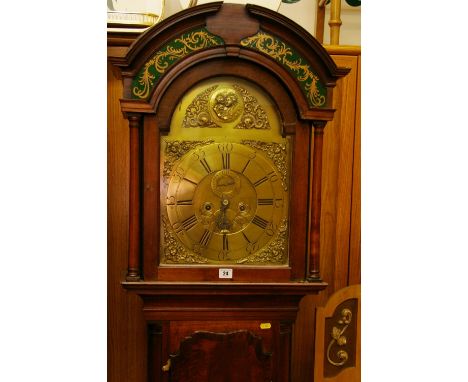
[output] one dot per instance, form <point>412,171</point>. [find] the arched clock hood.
<point>244,36</point>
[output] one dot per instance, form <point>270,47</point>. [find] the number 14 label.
<point>225,273</point>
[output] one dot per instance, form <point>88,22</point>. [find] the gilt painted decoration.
<point>163,59</point>
<point>292,61</point>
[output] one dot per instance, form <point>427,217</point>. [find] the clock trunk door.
<point>213,357</point>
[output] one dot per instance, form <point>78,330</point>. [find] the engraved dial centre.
<point>225,202</point>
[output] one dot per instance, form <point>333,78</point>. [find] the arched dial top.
<point>225,167</point>
<point>226,202</point>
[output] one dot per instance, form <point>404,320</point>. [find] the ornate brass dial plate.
<point>224,198</point>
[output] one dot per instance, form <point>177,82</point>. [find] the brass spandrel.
<point>197,113</point>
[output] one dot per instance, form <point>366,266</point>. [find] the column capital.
<point>134,119</point>
<point>319,125</point>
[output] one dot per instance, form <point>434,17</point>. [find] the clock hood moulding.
<point>253,34</point>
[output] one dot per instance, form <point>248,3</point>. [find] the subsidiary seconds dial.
<point>225,202</point>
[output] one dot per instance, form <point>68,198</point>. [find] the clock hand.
<point>222,222</point>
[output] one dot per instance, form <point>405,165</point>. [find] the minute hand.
<point>222,222</point>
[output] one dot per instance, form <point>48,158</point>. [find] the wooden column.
<point>335,22</point>
<point>133,273</point>
<point>316,202</point>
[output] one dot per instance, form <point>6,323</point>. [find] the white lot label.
<point>225,273</point>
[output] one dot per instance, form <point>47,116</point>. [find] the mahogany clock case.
<point>187,308</point>
<point>250,59</point>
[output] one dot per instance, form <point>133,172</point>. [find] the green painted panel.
<point>152,71</point>
<point>291,60</point>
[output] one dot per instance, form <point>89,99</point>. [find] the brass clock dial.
<point>225,199</point>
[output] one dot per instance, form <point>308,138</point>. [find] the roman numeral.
<point>225,243</point>
<point>260,222</point>
<point>205,165</point>
<point>184,202</point>
<point>265,202</point>
<point>206,237</point>
<point>191,181</point>
<point>245,166</point>
<point>189,222</point>
<point>264,179</point>
<point>226,158</point>
<point>246,238</point>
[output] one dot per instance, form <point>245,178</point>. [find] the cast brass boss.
<point>226,105</point>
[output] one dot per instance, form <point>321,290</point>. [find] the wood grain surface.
<point>126,326</point>
<point>340,225</point>
<point>354,276</point>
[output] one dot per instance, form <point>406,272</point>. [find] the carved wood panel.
<point>214,357</point>
<point>337,342</point>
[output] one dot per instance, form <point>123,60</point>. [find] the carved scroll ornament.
<point>338,337</point>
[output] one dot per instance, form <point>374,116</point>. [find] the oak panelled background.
<point>340,222</point>
<point>340,229</point>
<point>126,326</point>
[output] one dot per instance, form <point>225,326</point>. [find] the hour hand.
<point>222,222</point>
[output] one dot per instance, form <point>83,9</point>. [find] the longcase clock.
<point>224,104</point>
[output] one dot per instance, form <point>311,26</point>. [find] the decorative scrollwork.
<point>197,114</point>
<point>275,252</point>
<point>254,116</point>
<point>180,47</point>
<point>174,252</point>
<point>175,150</point>
<point>339,339</point>
<point>217,106</point>
<point>277,152</point>
<point>293,62</point>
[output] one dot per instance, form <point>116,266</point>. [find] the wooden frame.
<point>291,127</point>
<point>232,59</point>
